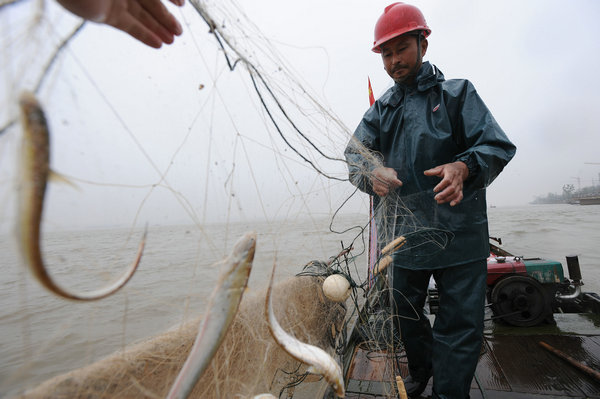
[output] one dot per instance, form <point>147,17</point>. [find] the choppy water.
<point>41,335</point>
<point>553,232</point>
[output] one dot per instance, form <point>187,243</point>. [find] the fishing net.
<point>215,136</point>
<point>238,368</point>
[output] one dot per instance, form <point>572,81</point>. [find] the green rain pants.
<point>450,350</point>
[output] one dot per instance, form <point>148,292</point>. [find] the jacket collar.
<point>427,77</point>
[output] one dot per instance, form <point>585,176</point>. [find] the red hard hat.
<point>398,19</point>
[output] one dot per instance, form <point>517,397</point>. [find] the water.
<point>553,232</point>
<point>42,336</point>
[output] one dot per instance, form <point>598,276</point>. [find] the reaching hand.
<point>383,180</point>
<point>450,188</point>
<point>148,21</point>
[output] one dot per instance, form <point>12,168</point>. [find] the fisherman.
<point>148,21</point>
<point>427,137</point>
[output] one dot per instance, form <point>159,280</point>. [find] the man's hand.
<point>450,188</point>
<point>148,21</point>
<point>383,180</point>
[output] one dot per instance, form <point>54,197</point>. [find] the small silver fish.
<point>35,171</point>
<point>319,361</point>
<point>222,308</point>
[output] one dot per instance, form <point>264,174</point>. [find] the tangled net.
<point>246,104</point>
<point>247,355</point>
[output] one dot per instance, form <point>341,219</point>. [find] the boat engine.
<point>520,290</point>
<point>526,292</point>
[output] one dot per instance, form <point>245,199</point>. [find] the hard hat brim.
<point>377,45</point>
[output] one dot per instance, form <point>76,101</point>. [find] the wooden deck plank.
<point>370,375</point>
<point>363,368</point>
<point>369,365</point>
<point>489,372</point>
<point>596,340</point>
<point>586,351</point>
<point>530,369</point>
<point>511,366</point>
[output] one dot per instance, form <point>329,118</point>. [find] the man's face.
<point>401,59</point>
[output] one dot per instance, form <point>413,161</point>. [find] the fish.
<point>35,172</point>
<point>394,245</point>
<point>221,310</point>
<point>319,361</point>
<point>401,388</point>
<point>382,264</point>
<point>386,254</point>
<point>248,361</point>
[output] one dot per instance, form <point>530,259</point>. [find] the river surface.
<point>42,336</point>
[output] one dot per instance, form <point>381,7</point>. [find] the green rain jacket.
<point>415,128</point>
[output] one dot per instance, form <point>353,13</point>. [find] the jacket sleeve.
<point>485,148</point>
<point>362,152</point>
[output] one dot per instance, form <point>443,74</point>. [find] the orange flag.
<point>371,98</point>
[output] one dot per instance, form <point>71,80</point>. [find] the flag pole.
<point>372,226</point>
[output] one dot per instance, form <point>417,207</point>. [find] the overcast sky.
<point>123,115</point>
<point>533,62</point>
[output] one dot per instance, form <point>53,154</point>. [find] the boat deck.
<point>513,364</point>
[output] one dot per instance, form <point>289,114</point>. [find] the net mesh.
<point>241,142</point>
